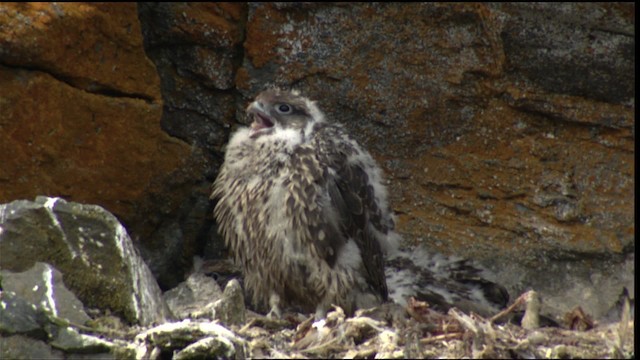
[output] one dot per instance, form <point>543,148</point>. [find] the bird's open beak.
<point>261,121</point>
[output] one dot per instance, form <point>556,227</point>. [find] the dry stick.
<point>433,339</point>
<point>519,301</point>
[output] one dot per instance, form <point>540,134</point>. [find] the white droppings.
<point>319,325</point>
<point>48,280</point>
<point>35,288</point>
<point>3,305</point>
<point>85,259</point>
<point>51,202</point>
<point>121,235</point>
<point>126,253</point>
<point>49,205</point>
<point>136,304</point>
<point>3,215</point>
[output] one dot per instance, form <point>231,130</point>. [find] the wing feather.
<point>352,205</point>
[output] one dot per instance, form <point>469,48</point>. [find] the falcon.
<point>302,208</point>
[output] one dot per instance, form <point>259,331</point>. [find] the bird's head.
<point>275,109</point>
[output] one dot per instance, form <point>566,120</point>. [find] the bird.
<point>303,209</point>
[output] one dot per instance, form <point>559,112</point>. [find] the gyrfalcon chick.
<point>302,207</point>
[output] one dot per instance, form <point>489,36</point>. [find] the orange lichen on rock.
<point>81,106</point>
<point>61,141</point>
<point>93,46</point>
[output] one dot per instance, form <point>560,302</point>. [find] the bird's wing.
<point>353,207</point>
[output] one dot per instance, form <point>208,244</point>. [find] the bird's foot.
<point>275,312</point>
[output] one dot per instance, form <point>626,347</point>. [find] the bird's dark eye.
<point>284,108</point>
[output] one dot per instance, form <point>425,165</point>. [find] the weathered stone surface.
<point>23,348</point>
<point>24,323</point>
<point>90,247</point>
<point>200,297</point>
<point>575,49</point>
<point>196,48</point>
<point>230,309</point>
<point>70,340</point>
<point>18,316</point>
<point>87,147</point>
<point>99,47</point>
<point>81,108</point>
<point>172,336</point>
<point>192,296</point>
<point>209,347</point>
<point>43,285</point>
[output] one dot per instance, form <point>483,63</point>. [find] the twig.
<point>443,337</point>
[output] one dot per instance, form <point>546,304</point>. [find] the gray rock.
<point>19,347</point>
<point>568,284</point>
<point>564,48</point>
<point>209,347</point>
<point>200,297</point>
<point>18,316</point>
<point>171,336</point>
<point>90,247</point>
<point>70,340</point>
<point>192,296</point>
<point>43,285</point>
<point>230,309</point>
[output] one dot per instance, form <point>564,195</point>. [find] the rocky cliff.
<point>506,131</point>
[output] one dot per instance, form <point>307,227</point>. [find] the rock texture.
<point>506,130</point>
<point>196,48</point>
<point>89,247</point>
<point>193,296</point>
<point>81,109</point>
<point>20,317</point>
<point>43,285</point>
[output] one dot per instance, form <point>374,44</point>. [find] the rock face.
<point>506,130</point>
<point>43,285</point>
<point>196,48</point>
<point>90,247</point>
<point>81,109</point>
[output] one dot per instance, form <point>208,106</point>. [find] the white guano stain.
<point>49,204</point>
<point>48,281</point>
